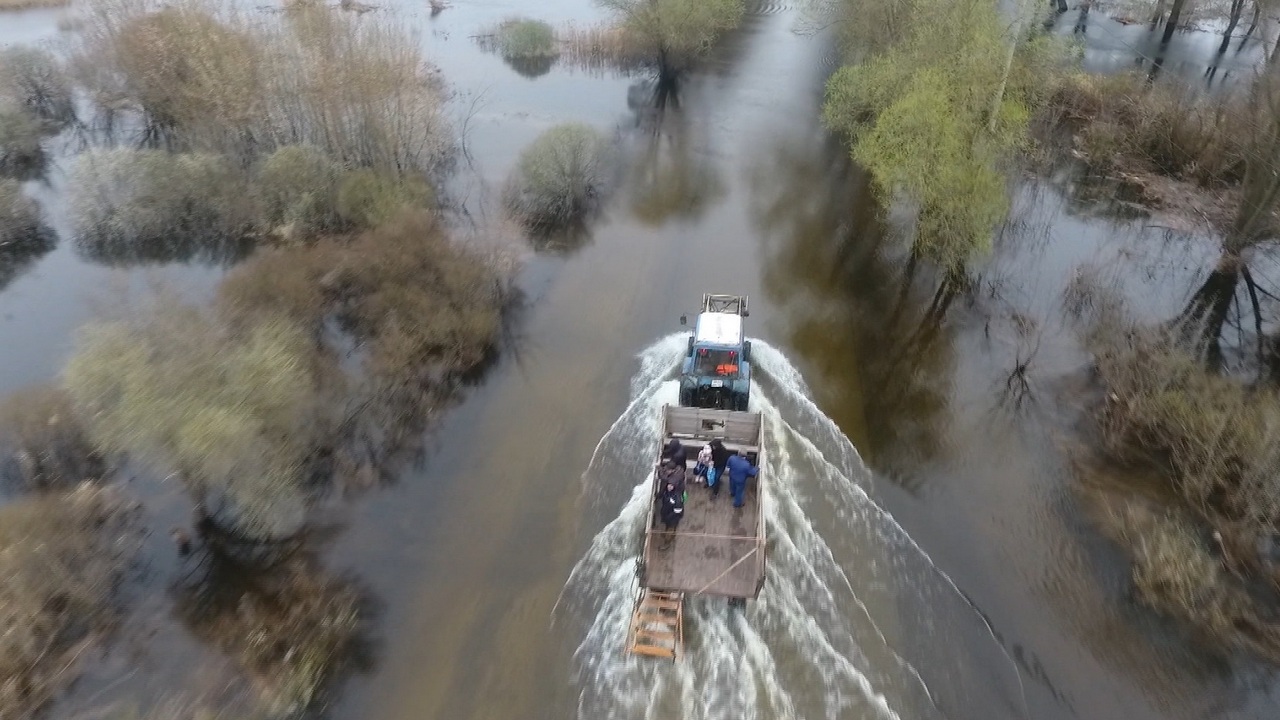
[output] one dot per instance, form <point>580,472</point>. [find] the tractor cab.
<point>716,372</point>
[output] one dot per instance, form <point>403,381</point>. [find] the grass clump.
<point>42,443</point>
<point>1174,573</point>
<point>560,178</point>
<point>32,79</point>
<point>131,204</point>
<point>61,557</point>
<point>230,412</point>
<point>525,39</point>
<point>602,47</point>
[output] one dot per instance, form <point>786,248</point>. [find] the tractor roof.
<point>718,328</point>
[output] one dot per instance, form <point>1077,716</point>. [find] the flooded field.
<point>930,552</point>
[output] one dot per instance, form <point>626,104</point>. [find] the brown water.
<point>954,574</point>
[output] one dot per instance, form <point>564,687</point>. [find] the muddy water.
<point>929,556</point>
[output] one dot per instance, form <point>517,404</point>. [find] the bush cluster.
<point>42,443</point>
<point>1123,121</point>
<point>231,413</point>
<point>522,38</point>
<point>61,556</point>
<point>562,177</point>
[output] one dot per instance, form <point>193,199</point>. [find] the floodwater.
<point>930,556</point>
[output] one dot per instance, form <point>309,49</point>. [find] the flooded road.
<point>929,557</point>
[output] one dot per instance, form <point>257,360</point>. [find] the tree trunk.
<point>1237,7</point>
<point>1200,323</point>
<point>1175,15</point>
<point>1253,25</point>
<point>1158,15</point>
<point>998,98</point>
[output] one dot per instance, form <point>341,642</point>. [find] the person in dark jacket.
<point>719,458</point>
<point>739,469</point>
<point>673,474</point>
<point>670,509</point>
<point>675,452</point>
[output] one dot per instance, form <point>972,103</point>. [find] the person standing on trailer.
<point>739,469</point>
<point>670,510</point>
<point>719,458</point>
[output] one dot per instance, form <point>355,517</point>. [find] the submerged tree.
<point>936,117</point>
<point>677,31</point>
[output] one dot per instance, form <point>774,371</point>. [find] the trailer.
<point>717,549</point>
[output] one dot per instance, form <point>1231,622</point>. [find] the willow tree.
<point>677,31</point>
<point>936,117</point>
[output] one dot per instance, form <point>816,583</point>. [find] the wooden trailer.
<point>717,549</point>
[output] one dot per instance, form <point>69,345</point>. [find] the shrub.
<point>1165,128</point>
<point>23,238</point>
<point>521,38</point>
<point>356,88</point>
<point>19,216</point>
<point>676,31</point>
<point>32,78</point>
<point>129,205</point>
<point>368,198</point>
<point>298,188</point>
<point>560,177</point>
<point>60,559</point>
<point>20,136</point>
<point>596,48</point>
<point>230,412</point>
<point>44,442</point>
<point>293,630</point>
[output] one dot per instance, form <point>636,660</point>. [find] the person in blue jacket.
<point>739,469</point>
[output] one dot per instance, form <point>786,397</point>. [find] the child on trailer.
<point>704,464</point>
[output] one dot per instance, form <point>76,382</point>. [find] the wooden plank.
<point>668,653</point>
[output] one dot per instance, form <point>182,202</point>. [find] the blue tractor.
<point>716,372</point>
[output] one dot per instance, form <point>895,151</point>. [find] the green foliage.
<point>368,198</point>
<point>919,118</point>
<point>61,556</point>
<point>20,136</point>
<point>522,38</point>
<point>560,177</point>
<point>123,200</point>
<point>42,443</point>
<point>228,412</point>
<point>32,78</point>
<point>298,188</point>
<point>677,31</point>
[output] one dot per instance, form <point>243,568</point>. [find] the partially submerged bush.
<point>19,216</point>
<point>1165,128</point>
<point>298,188</point>
<point>1220,438</point>
<point>42,444</point>
<point>561,177</point>
<point>1174,573</point>
<point>141,204</point>
<point>20,136</point>
<point>293,631</point>
<point>23,238</point>
<point>61,557</point>
<point>526,39</point>
<point>356,88</point>
<point>230,412</point>
<point>368,198</point>
<point>676,31</point>
<point>32,78</point>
